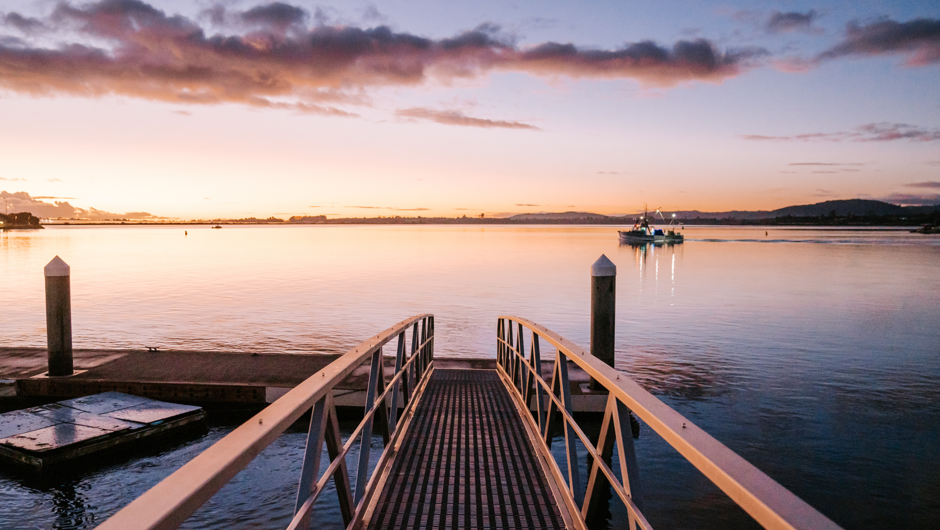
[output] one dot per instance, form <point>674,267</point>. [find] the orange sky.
<point>465,111</point>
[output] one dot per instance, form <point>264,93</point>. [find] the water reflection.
<point>784,347</point>
<point>70,507</point>
<point>663,258</point>
<point>684,374</point>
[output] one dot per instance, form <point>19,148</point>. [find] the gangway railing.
<point>173,500</point>
<point>769,503</point>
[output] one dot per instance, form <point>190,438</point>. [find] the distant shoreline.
<point>838,213</point>
<point>882,227</point>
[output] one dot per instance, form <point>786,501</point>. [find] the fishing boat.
<point>642,232</point>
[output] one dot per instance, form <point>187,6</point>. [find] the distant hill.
<point>562,216</point>
<point>839,208</point>
<point>844,208</point>
<point>733,214</point>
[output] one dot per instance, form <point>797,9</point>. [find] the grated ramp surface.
<point>466,462</point>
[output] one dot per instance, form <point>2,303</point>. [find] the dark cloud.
<point>927,184</point>
<point>918,39</point>
<point>24,24</point>
<point>13,179</point>
<point>276,15</point>
<point>872,132</point>
<point>906,199</point>
<point>385,208</point>
<point>9,41</point>
<point>450,117</point>
<point>182,112</point>
<point>527,205</point>
<point>23,202</point>
<point>646,61</point>
<point>792,21</point>
<point>50,197</point>
<point>321,17</point>
<point>145,53</point>
<point>826,164</point>
<point>372,14</point>
<point>761,137</point>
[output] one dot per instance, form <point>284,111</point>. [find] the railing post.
<point>431,343</point>
<point>399,361</point>
<point>550,403</point>
<point>509,347</point>
<point>537,362</point>
<point>334,445</point>
<point>629,470</point>
<point>615,430</point>
<point>416,369</point>
<point>571,450</point>
<point>365,445</point>
<point>311,465</point>
<point>499,344</point>
<point>603,305</point>
<point>517,361</point>
<point>424,346</point>
<point>59,317</point>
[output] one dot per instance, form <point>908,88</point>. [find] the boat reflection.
<point>657,252</point>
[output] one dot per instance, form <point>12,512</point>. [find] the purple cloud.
<point>450,117</point>
<point>919,39</point>
<point>872,132</point>
<point>792,21</point>
<point>907,199</point>
<point>24,24</point>
<point>927,184</point>
<point>281,62</point>
<point>23,202</point>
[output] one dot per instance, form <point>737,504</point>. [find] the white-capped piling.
<point>603,303</point>
<point>59,317</point>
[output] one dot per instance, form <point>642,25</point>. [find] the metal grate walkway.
<point>466,462</point>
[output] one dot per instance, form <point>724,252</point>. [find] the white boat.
<point>642,232</point>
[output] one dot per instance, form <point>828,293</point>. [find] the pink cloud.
<point>270,58</point>
<point>449,117</point>
<point>872,132</point>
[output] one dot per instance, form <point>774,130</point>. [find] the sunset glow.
<point>192,110</point>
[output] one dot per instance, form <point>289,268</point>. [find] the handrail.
<point>769,503</point>
<point>173,500</point>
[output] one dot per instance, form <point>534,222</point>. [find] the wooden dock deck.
<point>466,462</point>
<point>58,433</point>
<point>207,377</point>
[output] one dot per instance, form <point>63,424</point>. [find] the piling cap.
<point>603,267</point>
<point>57,267</point>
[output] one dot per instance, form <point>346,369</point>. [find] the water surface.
<point>812,353</point>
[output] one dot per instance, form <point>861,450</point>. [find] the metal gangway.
<point>467,448</point>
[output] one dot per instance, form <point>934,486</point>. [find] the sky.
<point>183,109</point>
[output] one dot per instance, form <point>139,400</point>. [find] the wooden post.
<point>603,303</point>
<point>58,317</point>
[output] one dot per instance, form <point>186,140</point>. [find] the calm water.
<point>815,354</point>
